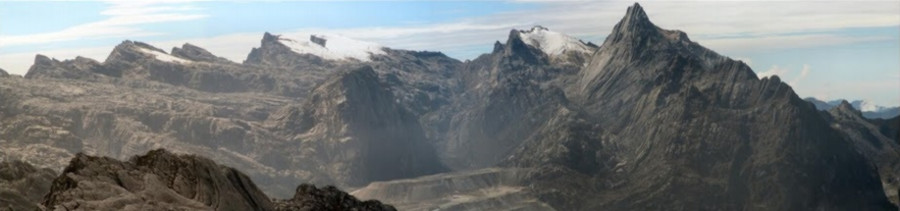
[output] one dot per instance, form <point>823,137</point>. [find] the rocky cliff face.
<point>353,127</point>
<point>22,185</point>
<point>507,95</point>
<point>687,120</point>
<point>868,139</point>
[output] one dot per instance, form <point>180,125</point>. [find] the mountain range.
<point>869,110</point>
<point>646,120</point>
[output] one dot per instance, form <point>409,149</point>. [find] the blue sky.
<point>823,49</point>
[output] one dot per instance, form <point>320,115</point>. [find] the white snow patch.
<point>867,106</point>
<point>553,43</point>
<point>164,56</point>
<point>335,47</point>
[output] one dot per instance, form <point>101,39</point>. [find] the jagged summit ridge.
<point>134,50</point>
<point>634,22</point>
<point>196,53</point>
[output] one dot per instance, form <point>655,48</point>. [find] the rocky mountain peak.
<point>846,108</point>
<point>269,38</point>
<point>379,139</point>
<point>44,66</point>
<point>3,73</point>
<point>635,18</point>
<point>517,48</point>
<point>41,59</point>
<point>196,53</point>
<point>553,43</point>
<point>635,26</point>
<point>129,51</point>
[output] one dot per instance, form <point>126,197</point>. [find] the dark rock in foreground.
<point>308,197</point>
<point>22,185</point>
<point>161,180</point>
<point>158,180</point>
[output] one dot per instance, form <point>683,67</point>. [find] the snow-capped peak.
<point>553,43</point>
<point>163,56</point>
<point>333,47</point>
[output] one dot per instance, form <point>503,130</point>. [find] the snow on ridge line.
<point>333,47</point>
<point>163,56</point>
<point>551,42</point>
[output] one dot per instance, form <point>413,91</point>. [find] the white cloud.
<point>123,19</point>
<point>781,42</point>
<point>803,73</point>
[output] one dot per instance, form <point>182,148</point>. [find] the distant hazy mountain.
<point>869,110</point>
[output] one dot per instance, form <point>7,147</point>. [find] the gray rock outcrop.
<point>22,186</point>
<point>352,126</point>
<point>308,198</point>
<point>157,180</point>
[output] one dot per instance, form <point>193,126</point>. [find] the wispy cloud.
<point>803,73</point>
<point>781,42</point>
<point>123,20</point>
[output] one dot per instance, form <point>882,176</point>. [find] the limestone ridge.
<point>353,119</point>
